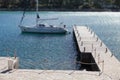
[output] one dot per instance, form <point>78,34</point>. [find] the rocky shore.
<point>61,9</point>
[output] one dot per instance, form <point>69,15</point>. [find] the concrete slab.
<point>104,58</point>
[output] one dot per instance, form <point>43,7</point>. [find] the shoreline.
<point>85,10</point>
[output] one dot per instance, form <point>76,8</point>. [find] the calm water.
<point>43,51</point>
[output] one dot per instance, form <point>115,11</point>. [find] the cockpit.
<point>41,25</point>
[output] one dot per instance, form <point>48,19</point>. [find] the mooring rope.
<point>85,63</point>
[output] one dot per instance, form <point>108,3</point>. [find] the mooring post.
<point>111,55</point>
<point>98,58</point>
<point>77,31</point>
<point>81,43</point>
<point>95,52</point>
<point>10,63</point>
<point>91,31</point>
<point>15,55</point>
<point>106,50</point>
<point>101,44</point>
<point>96,39</point>
<point>75,27</point>
<point>103,66</point>
<point>92,47</point>
<point>87,27</point>
<point>13,63</point>
<point>80,39</point>
<point>78,34</point>
<point>16,63</point>
<point>94,34</point>
<point>84,49</point>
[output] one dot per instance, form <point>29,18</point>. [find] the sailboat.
<point>42,27</point>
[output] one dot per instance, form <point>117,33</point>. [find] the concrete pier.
<point>93,52</point>
<point>89,43</point>
<point>8,63</point>
<point>3,64</point>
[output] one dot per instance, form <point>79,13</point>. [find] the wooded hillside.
<point>61,4</point>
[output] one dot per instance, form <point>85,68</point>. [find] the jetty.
<point>97,61</point>
<point>95,53</point>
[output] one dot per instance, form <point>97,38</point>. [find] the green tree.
<point>5,3</point>
<point>117,3</point>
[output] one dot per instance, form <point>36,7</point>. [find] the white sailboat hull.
<point>40,27</point>
<point>43,29</point>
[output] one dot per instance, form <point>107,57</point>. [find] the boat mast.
<point>37,13</point>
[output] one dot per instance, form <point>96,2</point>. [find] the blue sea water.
<point>46,51</point>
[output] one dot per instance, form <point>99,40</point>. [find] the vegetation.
<point>61,4</point>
